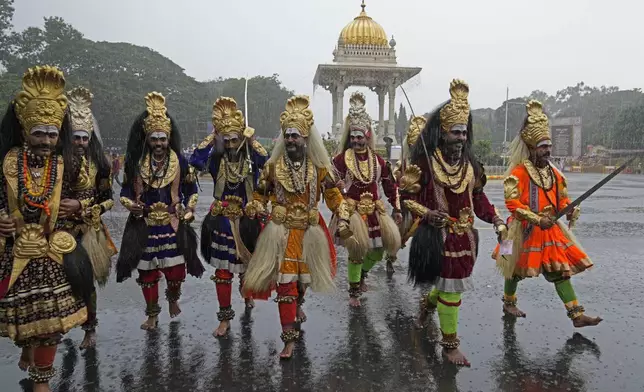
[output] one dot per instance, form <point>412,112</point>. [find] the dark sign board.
<point>562,141</point>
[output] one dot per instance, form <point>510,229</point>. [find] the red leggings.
<point>223,284</point>
<point>149,282</point>
<point>288,295</point>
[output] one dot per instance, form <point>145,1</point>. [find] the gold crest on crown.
<point>42,100</point>
<point>157,119</point>
<point>297,115</point>
<point>358,116</point>
<point>416,126</point>
<point>226,117</point>
<point>537,128</point>
<point>80,111</point>
<point>457,111</point>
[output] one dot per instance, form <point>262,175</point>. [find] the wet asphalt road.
<point>376,348</point>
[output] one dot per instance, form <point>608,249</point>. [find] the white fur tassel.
<point>264,266</point>
<point>316,255</point>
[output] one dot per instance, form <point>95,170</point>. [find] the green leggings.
<point>370,259</point>
<point>447,309</point>
<point>563,286</point>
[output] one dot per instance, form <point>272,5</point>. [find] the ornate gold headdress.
<point>457,111</point>
<point>80,102</point>
<point>416,125</point>
<point>42,100</point>
<point>537,128</point>
<point>226,117</point>
<point>297,115</point>
<point>358,116</point>
<point>157,119</point>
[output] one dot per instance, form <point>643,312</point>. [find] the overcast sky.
<point>491,44</point>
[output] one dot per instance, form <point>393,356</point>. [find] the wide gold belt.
<point>295,216</point>
<point>158,215</point>
<point>366,205</point>
<point>463,224</point>
<point>230,207</point>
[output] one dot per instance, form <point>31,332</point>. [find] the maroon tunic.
<point>354,188</point>
<point>459,250</point>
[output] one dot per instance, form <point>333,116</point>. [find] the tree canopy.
<point>120,74</point>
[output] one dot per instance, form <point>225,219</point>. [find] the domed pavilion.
<point>364,56</point>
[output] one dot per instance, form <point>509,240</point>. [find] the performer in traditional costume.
<point>45,277</point>
<point>448,182</point>
<point>92,187</point>
<point>160,191</point>
<point>234,161</point>
<point>535,191</point>
<point>360,170</point>
<point>295,249</point>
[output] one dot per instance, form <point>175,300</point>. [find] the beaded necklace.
<point>36,196</point>
<point>298,176</point>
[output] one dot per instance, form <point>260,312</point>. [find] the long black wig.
<point>425,252</point>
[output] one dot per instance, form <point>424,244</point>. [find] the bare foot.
<point>586,321</point>
<point>354,302</point>
<point>151,323</point>
<point>42,387</point>
<point>425,309</point>
<point>222,329</point>
<point>513,310</point>
<point>287,353</point>
<point>301,316</point>
<point>250,303</point>
<point>26,359</point>
<point>174,309</point>
<point>89,341</point>
<point>455,357</point>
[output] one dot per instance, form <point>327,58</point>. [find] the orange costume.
<point>532,193</point>
<point>294,250</point>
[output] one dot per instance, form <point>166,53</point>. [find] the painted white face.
<point>544,143</point>
<point>81,141</point>
<point>293,139</point>
<point>43,139</point>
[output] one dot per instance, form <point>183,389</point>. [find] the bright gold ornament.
<point>457,111</point>
<point>226,118</point>
<point>358,118</point>
<point>42,100</point>
<point>537,128</point>
<point>297,115</point>
<point>416,126</point>
<point>157,119</point>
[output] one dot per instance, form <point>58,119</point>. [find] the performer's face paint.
<point>231,143</point>
<point>81,142</point>
<point>542,153</point>
<point>357,139</point>
<point>42,139</point>
<point>158,143</point>
<point>295,144</point>
<point>455,140</point>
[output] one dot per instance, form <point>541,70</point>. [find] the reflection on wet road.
<point>377,348</point>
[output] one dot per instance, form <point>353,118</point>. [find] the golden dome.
<point>363,31</point>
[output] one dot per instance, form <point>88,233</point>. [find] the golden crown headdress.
<point>457,111</point>
<point>537,128</point>
<point>226,117</point>
<point>358,116</point>
<point>157,119</point>
<point>80,111</point>
<point>42,100</point>
<point>297,115</point>
<point>416,126</point>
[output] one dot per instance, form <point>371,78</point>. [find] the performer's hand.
<point>68,207</point>
<point>344,231</point>
<point>546,223</point>
<point>7,227</point>
<point>136,209</point>
<point>398,218</point>
<point>436,218</point>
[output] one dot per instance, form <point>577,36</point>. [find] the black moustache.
<point>43,146</point>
